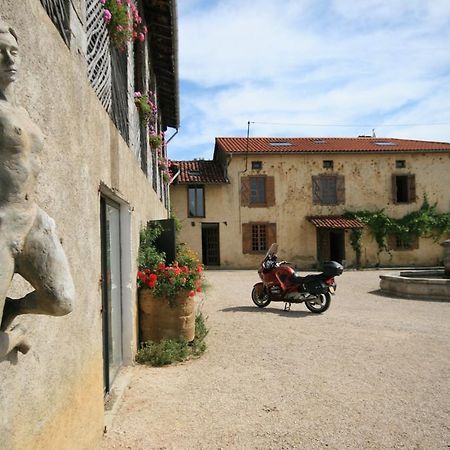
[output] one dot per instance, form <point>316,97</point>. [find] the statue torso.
<point>20,143</point>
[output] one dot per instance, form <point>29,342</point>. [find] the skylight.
<point>280,144</point>
<point>319,141</point>
<point>384,143</point>
<point>194,173</point>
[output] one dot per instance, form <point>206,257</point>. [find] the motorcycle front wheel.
<point>260,300</point>
<point>319,305</point>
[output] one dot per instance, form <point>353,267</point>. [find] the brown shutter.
<point>245,191</point>
<point>270,191</point>
<point>316,190</point>
<point>271,234</point>
<point>391,242</point>
<point>246,238</point>
<point>394,188</point>
<point>340,189</point>
<point>411,188</point>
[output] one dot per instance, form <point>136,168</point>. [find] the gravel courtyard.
<point>372,372</point>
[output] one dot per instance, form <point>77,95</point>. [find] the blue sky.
<point>311,68</point>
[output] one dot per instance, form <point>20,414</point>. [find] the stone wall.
<point>368,185</point>
<point>52,398</point>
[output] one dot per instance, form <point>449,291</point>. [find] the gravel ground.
<point>372,372</point>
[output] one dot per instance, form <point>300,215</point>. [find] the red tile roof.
<point>328,145</point>
<point>334,222</point>
<point>199,171</point>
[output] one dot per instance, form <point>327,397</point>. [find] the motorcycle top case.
<point>332,268</point>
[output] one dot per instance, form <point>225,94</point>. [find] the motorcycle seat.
<point>296,278</point>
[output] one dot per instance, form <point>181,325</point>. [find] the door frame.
<point>324,237</point>
<point>205,226</point>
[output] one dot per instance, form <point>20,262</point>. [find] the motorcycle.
<point>281,283</point>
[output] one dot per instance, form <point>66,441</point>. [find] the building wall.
<point>52,398</point>
<point>368,179</point>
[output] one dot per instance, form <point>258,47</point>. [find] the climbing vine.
<point>425,222</point>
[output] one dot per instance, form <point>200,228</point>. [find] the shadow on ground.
<point>280,312</point>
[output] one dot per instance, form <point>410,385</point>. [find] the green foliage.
<point>148,255</point>
<point>184,276</point>
<point>163,353</point>
<point>154,141</point>
<point>169,351</point>
<point>198,346</point>
<point>176,220</point>
<point>356,239</point>
<point>426,222</point>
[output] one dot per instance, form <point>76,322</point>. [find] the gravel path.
<point>370,373</point>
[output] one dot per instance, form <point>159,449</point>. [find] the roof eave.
<point>162,19</point>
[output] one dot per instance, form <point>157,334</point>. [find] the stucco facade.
<point>53,397</point>
<point>367,181</point>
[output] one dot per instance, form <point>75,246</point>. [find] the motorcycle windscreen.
<point>273,249</point>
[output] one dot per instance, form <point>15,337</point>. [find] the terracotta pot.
<point>158,320</point>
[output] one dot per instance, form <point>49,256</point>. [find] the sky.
<point>314,68</point>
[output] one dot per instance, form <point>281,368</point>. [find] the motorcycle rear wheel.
<point>320,305</point>
<point>261,301</point>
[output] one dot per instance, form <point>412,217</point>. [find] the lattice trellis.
<point>98,53</point>
<point>59,12</point>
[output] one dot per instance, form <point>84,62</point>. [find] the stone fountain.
<point>431,284</point>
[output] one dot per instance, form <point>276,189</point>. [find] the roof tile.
<point>335,222</point>
<point>200,171</point>
<point>328,145</point>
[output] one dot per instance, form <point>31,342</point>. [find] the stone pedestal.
<point>446,246</point>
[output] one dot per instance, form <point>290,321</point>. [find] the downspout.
<point>240,176</point>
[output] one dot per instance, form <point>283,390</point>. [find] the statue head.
<point>9,54</point>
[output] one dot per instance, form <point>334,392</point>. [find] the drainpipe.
<point>240,176</point>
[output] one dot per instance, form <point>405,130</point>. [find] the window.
<point>256,165</point>
<point>398,242</point>
<point>196,201</point>
<point>257,191</point>
<point>328,164</point>
<point>400,164</point>
<point>404,188</point>
<point>328,189</point>
<point>257,237</point>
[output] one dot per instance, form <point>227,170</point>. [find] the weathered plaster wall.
<point>367,186</point>
<point>52,398</point>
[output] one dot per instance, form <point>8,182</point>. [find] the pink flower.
<point>137,94</point>
<point>102,2</point>
<point>141,37</point>
<point>119,27</point>
<point>107,16</point>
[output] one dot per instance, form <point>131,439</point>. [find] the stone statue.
<point>29,245</point>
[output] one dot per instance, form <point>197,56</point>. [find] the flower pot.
<point>159,320</point>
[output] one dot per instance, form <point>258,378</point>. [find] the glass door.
<point>111,291</point>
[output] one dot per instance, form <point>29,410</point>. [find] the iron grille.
<point>143,147</point>
<point>119,92</point>
<point>140,83</point>
<point>59,13</point>
<point>154,171</point>
<point>98,56</point>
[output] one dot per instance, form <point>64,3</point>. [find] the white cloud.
<point>312,62</point>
